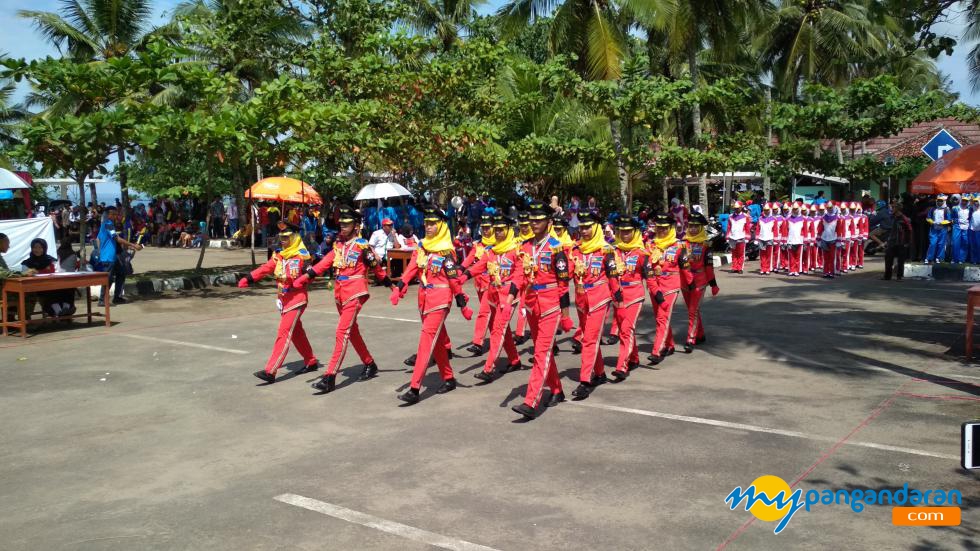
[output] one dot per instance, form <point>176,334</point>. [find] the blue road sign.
<point>940,144</point>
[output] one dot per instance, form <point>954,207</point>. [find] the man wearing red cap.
<point>286,265</point>
<point>545,266</point>
<point>484,317</point>
<point>696,280</point>
<point>504,271</point>
<point>350,259</point>
<point>434,263</point>
<point>668,258</point>
<point>596,272</point>
<point>739,230</point>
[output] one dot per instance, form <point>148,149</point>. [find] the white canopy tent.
<point>9,180</point>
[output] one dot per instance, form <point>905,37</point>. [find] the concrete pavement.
<point>154,435</point>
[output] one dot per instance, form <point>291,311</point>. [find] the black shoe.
<point>669,352</point>
<point>485,376</point>
<point>475,349</point>
<point>688,347</point>
<point>576,347</point>
<point>410,361</point>
<point>447,386</point>
<point>326,383</point>
<point>556,399</point>
<point>267,377</point>
<point>514,367</point>
<point>527,411</point>
<point>450,354</point>
<point>411,396</point>
<point>520,340</point>
<point>554,349</point>
<point>632,365</point>
<point>620,376</point>
<point>655,359</point>
<point>599,379</point>
<point>610,339</point>
<point>700,340</point>
<point>119,300</point>
<point>583,390</point>
<point>370,371</point>
<point>309,368</point>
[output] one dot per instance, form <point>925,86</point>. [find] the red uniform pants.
<point>816,257</point>
<point>693,298</point>
<point>794,254</point>
<point>626,321</point>
<point>521,316</point>
<point>290,330</point>
<point>843,257</point>
<point>580,312</point>
<point>432,343</point>
<point>784,257</point>
<point>738,256</point>
<point>857,253</point>
<point>501,335</point>
<point>544,370</point>
<point>591,353</point>
<point>830,258</point>
<point>805,259</point>
<point>665,336</point>
<point>348,331</point>
<point>765,259</point>
<point>484,318</point>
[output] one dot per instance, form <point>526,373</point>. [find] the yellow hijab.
<point>699,237</point>
<point>635,243</point>
<point>663,242</point>
<point>566,240</point>
<point>525,236</point>
<point>594,243</point>
<point>296,248</point>
<point>488,239</point>
<point>440,242</point>
<point>507,245</point>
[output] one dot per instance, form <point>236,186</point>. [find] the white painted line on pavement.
<point>766,430</point>
<point>182,343</point>
<point>370,316</point>
<point>364,519</point>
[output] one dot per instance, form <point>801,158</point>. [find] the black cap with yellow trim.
<point>558,220</point>
<point>626,223</point>
<point>286,229</point>
<point>348,215</point>
<point>663,220</point>
<point>523,218</point>
<point>486,220</point>
<point>432,213</point>
<point>588,219</point>
<point>538,211</point>
<point>501,221</point>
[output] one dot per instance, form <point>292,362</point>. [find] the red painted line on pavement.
<point>940,397</point>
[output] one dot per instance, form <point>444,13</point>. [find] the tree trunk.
<point>82,230</point>
<point>255,223</point>
<point>766,183</point>
<point>692,60</point>
<point>625,190</point>
<point>839,151</point>
<point>95,197</point>
<point>123,181</point>
<point>206,238</point>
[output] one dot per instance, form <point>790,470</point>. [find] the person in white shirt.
<point>384,239</point>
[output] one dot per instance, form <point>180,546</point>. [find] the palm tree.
<point>95,30</point>
<point>443,18</point>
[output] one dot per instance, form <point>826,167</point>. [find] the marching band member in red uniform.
<point>698,278</point>
<point>633,265</point>
<point>766,236</point>
<point>861,230</point>
<point>350,259</point>
<point>504,271</point>
<point>795,228</point>
<point>484,317</point>
<point>595,271</point>
<point>830,234</point>
<point>668,257</point>
<point>286,265</point>
<point>559,230</point>
<point>525,234</point>
<point>545,265</point>
<point>846,221</point>
<point>781,223</point>
<point>816,254</point>
<point>808,236</point>
<point>739,232</point>
<point>434,264</point>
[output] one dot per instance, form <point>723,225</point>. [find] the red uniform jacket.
<point>634,271</point>
<point>477,253</point>
<point>701,270</point>
<point>546,274</point>
<point>438,279</point>
<point>504,273</point>
<point>350,260</point>
<point>289,297</point>
<point>598,276</point>
<point>667,267</point>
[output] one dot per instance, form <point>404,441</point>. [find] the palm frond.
<point>605,47</point>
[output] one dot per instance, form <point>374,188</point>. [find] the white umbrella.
<point>9,180</point>
<point>383,190</point>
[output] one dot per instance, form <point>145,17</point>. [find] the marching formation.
<point>522,269</point>
<point>796,238</point>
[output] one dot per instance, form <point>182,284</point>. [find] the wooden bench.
<point>972,299</point>
<point>23,286</point>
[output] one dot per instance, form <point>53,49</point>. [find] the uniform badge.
<point>561,265</point>
<point>544,259</point>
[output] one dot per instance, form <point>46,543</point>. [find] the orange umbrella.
<point>287,190</point>
<point>955,172</point>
